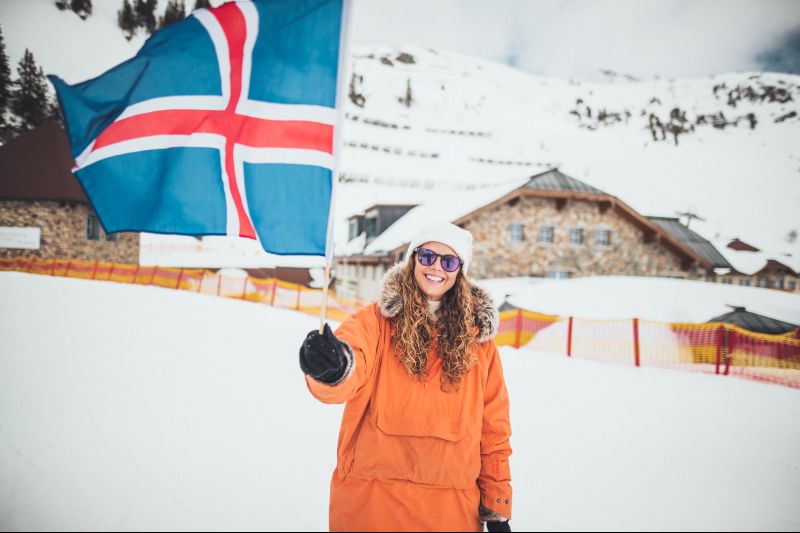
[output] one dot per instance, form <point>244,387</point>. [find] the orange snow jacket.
<point>410,456</point>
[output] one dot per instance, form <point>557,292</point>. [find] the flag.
<point>222,124</point>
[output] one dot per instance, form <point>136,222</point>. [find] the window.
<point>371,227</point>
<point>576,236</point>
<point>546,235</point>
<point>744,282</point>
<point>727,281</point>
<point>778,283</point>
<point>791,285</point>
<point>558,274</point>
<point>604,237</point>
<point>762,283</point>
<point>92,228</point>
<point>353,230</point>
<point>111,237</point>
<point>515,233</point>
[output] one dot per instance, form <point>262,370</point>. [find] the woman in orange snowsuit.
<point>424,441</point>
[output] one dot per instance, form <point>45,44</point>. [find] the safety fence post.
<point>636,340</point>
<point>219,281</point>
<point>180,278</point>
<point>53,267</point>
<point>569,338</point>
<point>719,349</point>
<point>730,344</point>
<point>69,266</point>
<point>297,304</point>
<point>244,288</point>
<point>111,272</point>
<point>274,286</point>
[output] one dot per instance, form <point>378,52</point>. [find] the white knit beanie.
<point>460,240</point>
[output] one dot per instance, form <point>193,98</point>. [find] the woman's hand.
<point>325,358</point>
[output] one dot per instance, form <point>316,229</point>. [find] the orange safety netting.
<point>712,347</point>
<point>715,348</point>
<point>271,291</point>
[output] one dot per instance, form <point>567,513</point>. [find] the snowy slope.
<point>137,408</point>
<point>472,122</point>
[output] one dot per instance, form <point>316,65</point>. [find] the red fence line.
<point>269,291</point>
<point>716,348</point>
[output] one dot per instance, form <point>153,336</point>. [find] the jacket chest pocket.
<point>416,431</point>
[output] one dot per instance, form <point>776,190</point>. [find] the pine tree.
<point>200,4</point>
<point>82,8</point>
<point>145,11</point>
<point>5,89</point>
<point>29,97</point>
<point>175,12</point>
<point>126,20</point>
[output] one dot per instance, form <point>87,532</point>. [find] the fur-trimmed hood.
<point>486,317</point>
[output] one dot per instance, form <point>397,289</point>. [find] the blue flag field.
<point>222,124</point>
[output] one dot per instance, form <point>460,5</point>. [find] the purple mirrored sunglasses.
<point>427,257</point>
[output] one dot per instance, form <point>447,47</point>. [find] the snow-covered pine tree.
<point>30,101</point>
<point>145,11</point>
<point>175,12</point>
<point>5,90</point>
<point>200,4</point>
<point>126,20</point>
<point>82,8</point>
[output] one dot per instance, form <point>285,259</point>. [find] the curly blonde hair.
<point>412,330</point>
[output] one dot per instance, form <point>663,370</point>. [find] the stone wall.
<point>627,254</point>
<point>64,233</point>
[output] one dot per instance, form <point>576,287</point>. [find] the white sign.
<point>27,238</point>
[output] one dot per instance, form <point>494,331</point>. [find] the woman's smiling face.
<point>433,280</point>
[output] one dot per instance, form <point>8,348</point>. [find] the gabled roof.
<point>554,180</point>
<point>740,245</point>
<point>37,165</point>
<point>755,322</point>
<point>694,241</point>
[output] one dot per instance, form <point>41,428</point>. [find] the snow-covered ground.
<point>127,407</point>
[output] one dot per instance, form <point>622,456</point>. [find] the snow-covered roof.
<point>215,252</point>
<point>750,263</point>
<point>445,206</point>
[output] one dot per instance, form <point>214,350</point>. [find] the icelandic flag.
<point>222,124</point>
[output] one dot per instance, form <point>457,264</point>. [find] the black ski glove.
<point>498,526</point>
<point>325,358</point>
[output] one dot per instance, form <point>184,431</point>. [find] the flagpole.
<point>344,63</point>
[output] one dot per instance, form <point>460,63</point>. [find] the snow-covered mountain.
<point>422,122</point>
